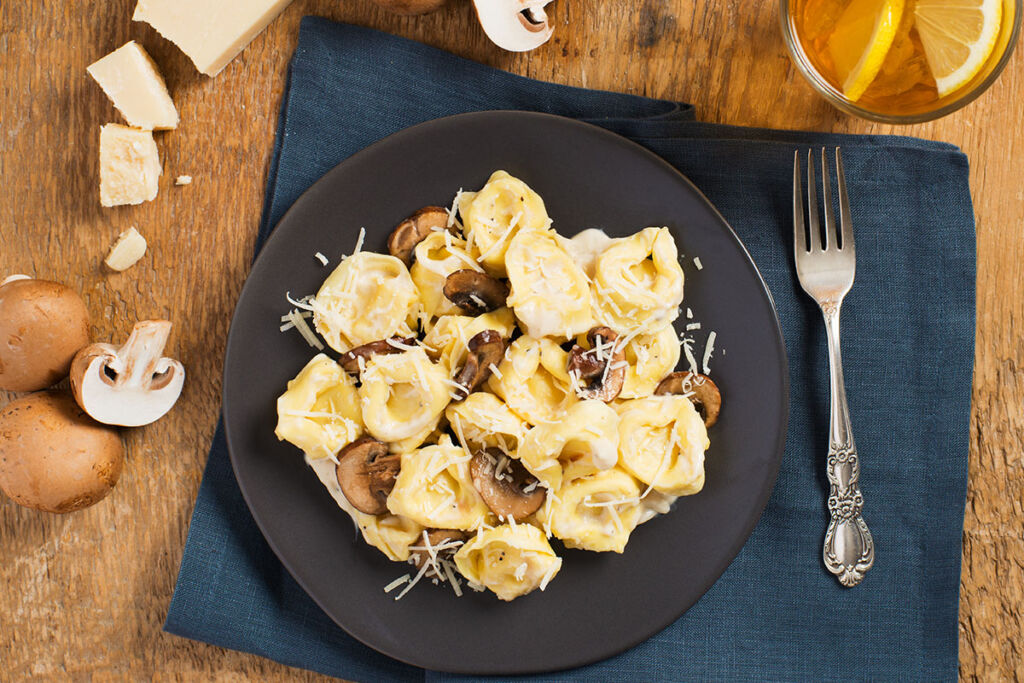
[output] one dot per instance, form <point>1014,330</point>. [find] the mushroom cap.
<point>603,372</point>
<point>366,473</point>
<point>42,325</point>
<point>504,495</point>
<point>414,229</point>
<point>132,385</point>
<point>54,457</point>
<point>438,537</point>
<point>411,7</point>
<point>515,25</point>
<point>349,360</point>
<point>486,349</point>
<point>474,292</point>
<point>706,398</point>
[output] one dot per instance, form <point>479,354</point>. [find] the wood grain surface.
<point>83,596</point>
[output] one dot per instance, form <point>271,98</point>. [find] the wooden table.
<point>85,594</point>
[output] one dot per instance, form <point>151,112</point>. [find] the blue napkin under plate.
<point>775,614</point>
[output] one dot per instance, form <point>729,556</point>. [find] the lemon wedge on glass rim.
<point>862,38</point>
<point>958,37</point>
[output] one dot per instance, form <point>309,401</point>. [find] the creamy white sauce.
<point>655,504</point>
<point>586,246</point>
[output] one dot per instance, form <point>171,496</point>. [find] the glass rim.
<point>811,75</point>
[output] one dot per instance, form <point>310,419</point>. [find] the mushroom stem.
<point>140,355</point>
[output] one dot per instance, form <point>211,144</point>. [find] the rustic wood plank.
<point>72,587</point>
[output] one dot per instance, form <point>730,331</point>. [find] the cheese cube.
<point>131,80</point>
<point>129,165</point>
<point>211,33</point>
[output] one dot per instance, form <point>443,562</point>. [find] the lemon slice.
<point>861,40</point>
<point>958,38</point>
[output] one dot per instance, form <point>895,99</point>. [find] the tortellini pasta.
<point>437,257</point>
<point>449,337</point>
<point>509,560</point>
<point>597,512</point>
<point>320,412</point>
<point>403,396</point>
<point>533,380</point>
<point>486,422</point>
<point>584,442</point>
<point>550,292</point>
<point>638,282</point>
<point>505,207</point>
<point>435,489</point>
<point>431,435</point>
<point>662,440</point>
<point>367,298</point>
<point>650,357</point>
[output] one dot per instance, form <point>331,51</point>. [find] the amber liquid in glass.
<point>905,85</point>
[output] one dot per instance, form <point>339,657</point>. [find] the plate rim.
<point>611,137</point>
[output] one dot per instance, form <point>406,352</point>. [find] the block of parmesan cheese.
<point>129,165</point>
<point>210,32</point>
<point>131,80</point>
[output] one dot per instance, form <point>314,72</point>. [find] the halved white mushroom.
<point>515,25</point>
<point>132,385</point>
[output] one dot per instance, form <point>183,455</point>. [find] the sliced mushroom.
<point>475,293</point>
<point>132,385</point>
<point>415,229</point>
<point>515,25</point>
<point>505,485</point>
<point>485,351</point>
<point>366,473</point>
<point>706,398</point>
<point>436,538</point>
<point>350,359</point>
<point>601,369</point>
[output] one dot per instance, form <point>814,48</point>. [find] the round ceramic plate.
<point>600,603</point>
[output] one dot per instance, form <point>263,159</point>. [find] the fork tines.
<point>815,239</point>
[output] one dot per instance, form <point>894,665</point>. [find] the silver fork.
<point>825,265</point>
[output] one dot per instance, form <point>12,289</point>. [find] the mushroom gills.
<point>509,490</point>
<point>349,360</point>
<point>704,393</point>
<point>475,293</point>
<point>601,370</point>
<point>486,350</point>
<point>414,229</point>
<point>366,473</point>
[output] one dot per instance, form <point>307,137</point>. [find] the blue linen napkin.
<point>775,614</point>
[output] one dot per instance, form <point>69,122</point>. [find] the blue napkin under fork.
<point>775,614</point>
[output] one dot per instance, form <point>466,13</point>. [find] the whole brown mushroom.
<point>54,457</point>
<point>42,325</point>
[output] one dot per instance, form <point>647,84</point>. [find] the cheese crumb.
<point>183,180</point>
<point>321,258</point>
<point>696,262</point>
<point>709,347</point>
<point>127,250</point>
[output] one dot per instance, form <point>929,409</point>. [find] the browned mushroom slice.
<point>442,541</point>
<point>414,230</point>
<point>706,398</point>
<point>485,351</point>
<point>505,485</point>
<point>350,359</point>
<point>366,473</point>
<point>600,370</point>
<point>475,293</point>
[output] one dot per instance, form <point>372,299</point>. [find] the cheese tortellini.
<point>474,455</point>
<point>550,292</point>
<point>403,396</point>
<point>367,298</point>
<point>638,282</point>
<point>505,207</point>
<point>509,560</point>
<point>584,442</point>
<point>662,440</point>
<point>320,411</point>
<point>435,489</point>
<point>533,380</point>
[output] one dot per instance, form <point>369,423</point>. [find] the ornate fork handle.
<point>849,550</point>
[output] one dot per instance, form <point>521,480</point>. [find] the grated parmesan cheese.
<point>692,326</point>
<point>321,258</point>
<point>404,578</point>
<point>709,347</point>
<point>696,262</point>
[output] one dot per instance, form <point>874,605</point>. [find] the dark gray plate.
<point>600,604</point>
